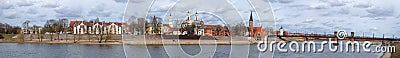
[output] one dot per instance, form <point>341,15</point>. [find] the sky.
<point>15,12</point>
<point>318,16</point>
<point>307,16</point>
<point>221,12</point>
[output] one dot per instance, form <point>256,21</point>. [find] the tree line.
<point>8,29</point>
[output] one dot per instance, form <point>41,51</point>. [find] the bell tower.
<point>188,16</point>
<point>170,20</point>
<point>196,16</point>
<point>251,29</point>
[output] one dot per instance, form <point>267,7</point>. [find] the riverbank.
<point>60,42</point>
<point>119,42</point>
<point>396,54</point>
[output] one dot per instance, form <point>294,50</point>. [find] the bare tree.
<point>240,29</point>
<point>25,25</point>
<point>102,31</point>
<point>64,24</point>
<point>50,27</point>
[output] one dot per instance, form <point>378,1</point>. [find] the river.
<point>15,50</point>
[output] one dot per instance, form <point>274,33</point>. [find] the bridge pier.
<point>352,38</point>
<point>335,38</point>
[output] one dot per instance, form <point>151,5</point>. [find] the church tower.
<point>170,20</point>
<point>196,16</point>
<point>188,16</point>
<point>251,29</point>
<point>155,23</point>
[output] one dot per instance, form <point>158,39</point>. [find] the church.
<point>254,31</point>
<point>188,27</point>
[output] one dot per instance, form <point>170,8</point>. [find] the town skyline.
<point>375,13</point>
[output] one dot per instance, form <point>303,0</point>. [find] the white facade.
<point>97,29</point>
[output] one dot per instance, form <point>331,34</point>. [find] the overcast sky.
<point>220,12</point>
<point>38,11</point>
<point>360,16</point>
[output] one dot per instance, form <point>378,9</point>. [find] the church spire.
<point>170,16</point>
<point>197,16</point>
<point>188,16</point>
<point>154,19</point>
<point>251,16</point>
<point>170,20</point>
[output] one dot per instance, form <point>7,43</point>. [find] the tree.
<point>60,27</point>
<point>26,24</point>
<point>108,35</point>
<point>218,29</point>
<point>240,29</point>
<point>64,25</point>
<point>49,27</point>
<point>102,31</point>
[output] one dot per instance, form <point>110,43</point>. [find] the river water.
<point>15,50</point>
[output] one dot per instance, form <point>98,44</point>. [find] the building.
<point>187,27</point>
<point>192,27</point>
<point>82,27</point>
<point>154,27</point>
<point>255,31</point>
<point>31,30</point>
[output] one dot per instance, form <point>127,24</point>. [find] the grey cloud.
<point>100,10</point>
<point>343,11</point>
<point>136,1</point>
<point>347,15</point>
<point>320,6</point>
<point>31,11</point>
<point>362,5</point>
<point>25,3</point>
<point>281,1</point>
<point>312,29</point>
<point>121,1</point>
<point>50,5</point>
<point>328,24</point>
<point>68,12</point>
<point>379,18</point>
<point>373,29</point>
<point>42,15</point>
<point>335,2</point>
<point>398,16</point>
<point>1,13</point>
<point>163,8</point>
<point>10,15</point>
<point>309,21</point>
<point>326,13</point>
<point>279,20</point>
<point>380,11</point>
<point>5,5</point>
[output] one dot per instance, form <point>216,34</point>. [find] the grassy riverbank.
<point>8,36</point>
<point>396,54</point>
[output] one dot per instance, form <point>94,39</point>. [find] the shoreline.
<point>147,42</point>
